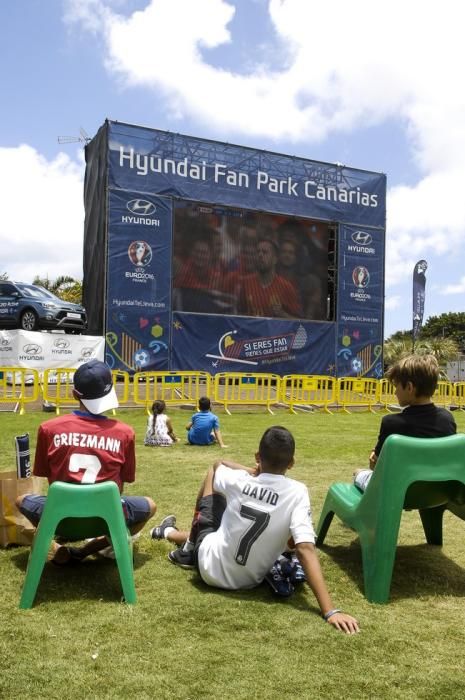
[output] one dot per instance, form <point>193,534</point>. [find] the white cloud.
<point>393,302</point>
<point>455,288</point>
<point>42,222</point>
<point>348,66</point>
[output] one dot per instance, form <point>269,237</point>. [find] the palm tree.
<point>65,287</point>
<point>443,349</point>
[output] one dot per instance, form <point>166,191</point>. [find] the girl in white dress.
<point>159,431</point>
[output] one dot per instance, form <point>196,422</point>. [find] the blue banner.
<point>148,160</point>
<point>231,344</point>
<point>418,295</point>
<point>139,281</point>
<point>360,302</point>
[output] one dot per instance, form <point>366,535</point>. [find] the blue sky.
<point>366,84</point>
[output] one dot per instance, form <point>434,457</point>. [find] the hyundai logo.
<point>361,238</point>
<point>32,349</point>
<point>86,352</point>
<point>4,341</point>
<point>61,343</point>
<point>141,207</point>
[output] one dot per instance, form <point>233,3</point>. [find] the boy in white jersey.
<point>243,521</point>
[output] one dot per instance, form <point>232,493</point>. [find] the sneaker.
<point>109,552</point>
<point>279,583</point>
<point>298,573</point>
<point>292,568</point>
<point>181,558</point>
<point>158,533</point>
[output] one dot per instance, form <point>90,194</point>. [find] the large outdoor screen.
<point>248,263</point>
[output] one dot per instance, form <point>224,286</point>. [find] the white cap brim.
<point>105,403</point>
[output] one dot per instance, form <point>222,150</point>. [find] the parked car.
<point>33,308</point>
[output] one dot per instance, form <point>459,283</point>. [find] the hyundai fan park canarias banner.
<point>204,255</point>
<point>172,164</point>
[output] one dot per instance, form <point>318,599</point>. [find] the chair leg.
<point>431,519</point>
<point>378,556</point>
<point>36,563</point>
<point>122,546</point>
<point>323,526</point>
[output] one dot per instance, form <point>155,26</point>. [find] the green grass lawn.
<point>184,641</point>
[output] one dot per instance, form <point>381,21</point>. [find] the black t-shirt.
<point>424,421</point>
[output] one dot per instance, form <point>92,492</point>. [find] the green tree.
<point>450,325</point>
<point>65,287</point>
<point>444,349</point>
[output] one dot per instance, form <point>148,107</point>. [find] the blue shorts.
<point>136,509</point>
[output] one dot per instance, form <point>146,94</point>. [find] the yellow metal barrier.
<point>243,388</point>
<point>387,394</point>
<point>444,394</point>
<point>459,394</point>
<point>18,386</point>
<point>357,393</point>
<point>57,387</point>
<point>311,391</point>
<point>171,387</point>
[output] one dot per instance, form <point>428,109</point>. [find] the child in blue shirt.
<point>204,428</point>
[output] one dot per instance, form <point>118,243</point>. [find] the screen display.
<point>247,263</point>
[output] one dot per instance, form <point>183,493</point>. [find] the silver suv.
<point>34,308</point>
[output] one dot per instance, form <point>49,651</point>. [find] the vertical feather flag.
<point>419,281</point>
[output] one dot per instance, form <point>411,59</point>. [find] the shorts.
<point>208,519</point>
<point>136,509</point>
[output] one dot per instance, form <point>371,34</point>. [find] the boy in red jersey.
<point>86,447</point>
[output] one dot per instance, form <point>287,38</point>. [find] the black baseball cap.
<point>93,384</point>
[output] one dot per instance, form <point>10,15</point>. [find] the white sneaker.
<point>109,553</point>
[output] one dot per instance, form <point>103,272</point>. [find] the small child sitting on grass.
<point>160,431</point>
<point>415,378</point>
<point>204,427</point>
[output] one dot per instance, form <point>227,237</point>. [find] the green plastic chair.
<point>75,512</point>
<point>412,474</point>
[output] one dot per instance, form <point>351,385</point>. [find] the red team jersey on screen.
<point>85,449</point>
<point>280,294</point>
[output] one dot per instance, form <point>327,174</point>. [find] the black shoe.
<point>158,533</point>
<point>292,569</point>
<point>279,583</point>
<point>182,558</point>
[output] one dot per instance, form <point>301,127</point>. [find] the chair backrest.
<point>82,506</point>
<point>416,473</point>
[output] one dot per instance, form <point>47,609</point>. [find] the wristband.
<point>330,613</point>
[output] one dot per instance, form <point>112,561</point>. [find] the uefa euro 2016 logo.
<point>140,253</point>
<point>360,277</point>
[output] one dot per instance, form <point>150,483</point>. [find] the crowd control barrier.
<point>308,391</point>
<point>171,387</point>
<point>18,386</point>
<point>357,393</point>
<point>444,394</point>
<point>459,394</point>
<point>244,388</point>
<point>57,387</point>
<point>387,394</point>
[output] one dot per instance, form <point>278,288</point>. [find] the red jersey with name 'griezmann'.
<point>85,449</point>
